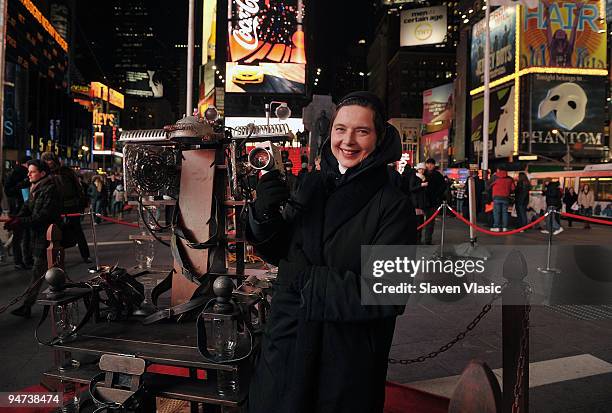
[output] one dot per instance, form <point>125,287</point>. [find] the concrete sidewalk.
<point>571,348</point>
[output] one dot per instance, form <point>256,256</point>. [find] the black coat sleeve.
<point>333,295</point>
<point>270,238</point>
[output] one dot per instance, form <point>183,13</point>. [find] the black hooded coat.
<point>322,350</point>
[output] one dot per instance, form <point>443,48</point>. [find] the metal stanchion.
<point>548,269</point>
<point>95,241</point>
<point>472,249</point>
<point>444,207</point>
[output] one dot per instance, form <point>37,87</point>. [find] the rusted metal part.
<point>476,391</point>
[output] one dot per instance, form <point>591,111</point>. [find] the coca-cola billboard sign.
<point>266,31</point>
<point>245,34</point>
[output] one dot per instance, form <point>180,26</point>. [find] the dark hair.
<point>431,160</point>
<point>40,165</point>
<point>379,122</point>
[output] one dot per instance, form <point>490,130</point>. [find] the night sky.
<point>338,24</point>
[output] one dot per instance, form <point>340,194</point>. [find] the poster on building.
<point>423,26</point>
<point>438,107</point>
<point>503,49</point>
<point>565,110</point>
<point>564,34</point>
<point>209,39</point>
<point>501,122</point>
<point>148,84</point>
<point>435,145</point>
<point>266,52</point>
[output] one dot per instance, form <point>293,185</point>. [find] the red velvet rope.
<point>431,218</point>
<point>116,221</point>
<point>583,218</point>
<point>498,234</point>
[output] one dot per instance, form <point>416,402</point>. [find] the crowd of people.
<point>41,192</point>
<point>497,199</point>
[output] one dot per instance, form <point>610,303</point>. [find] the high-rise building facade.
<point>399,70</point>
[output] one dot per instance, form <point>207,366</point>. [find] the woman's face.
<point>353,135</point>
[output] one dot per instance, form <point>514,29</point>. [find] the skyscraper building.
<point>140,65</point>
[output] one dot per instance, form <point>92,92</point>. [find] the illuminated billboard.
<point>209,39</point>
<point>266,52</point>
<point>503,49</point>
<point>146,84</point>
<point>265,78</point>
<point>501,121</point>
<point>564,110</point>
<point>423,26</point>
<point>564,34</point>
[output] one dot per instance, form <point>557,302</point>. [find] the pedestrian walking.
<point>73,202</point>
<point>460,195</point>
<point>436,191</point>
<point>570,200</point>
<point>521,198</point>
<point>119,200</point>
<point>418,195</point>
<point>40,211</point>
<point>553,196</point>
<point>586,201</point>
<point>15,185</point>
<point>319,336</point>
<point>501,187</point>
<point>98,196</point>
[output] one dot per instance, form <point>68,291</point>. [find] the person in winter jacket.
<point>418,195</point>
<point>322,350</point>
<point>119,200</point>
<point>586,201</point>
<point>569,199</point>
<point>501,187</point>
<point>98,195</point>
<point>553,195</point>
<point>73,201</point>
<point>41,210</point>
<point>521,198</point>
<point>15,182</point>
<point>436,191</point>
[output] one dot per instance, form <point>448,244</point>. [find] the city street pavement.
<point>570,347</point>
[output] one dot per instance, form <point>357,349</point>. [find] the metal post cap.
<point>56,277</point>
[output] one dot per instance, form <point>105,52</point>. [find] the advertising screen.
<point>564,34</point>
<point>501,121</point>
<point>438,106</point>
<point>266,51</point>
<point>435,145</point>
<point>144,84</point>
<point>209,38</point>
<point>565,110</point>
<point>503,39</point>
<point>423,26</point>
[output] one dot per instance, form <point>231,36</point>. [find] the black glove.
<point>271,193</point>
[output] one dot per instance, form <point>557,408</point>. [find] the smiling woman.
<point>319,338</point>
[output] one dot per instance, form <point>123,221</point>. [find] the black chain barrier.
<point>472,325</point>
